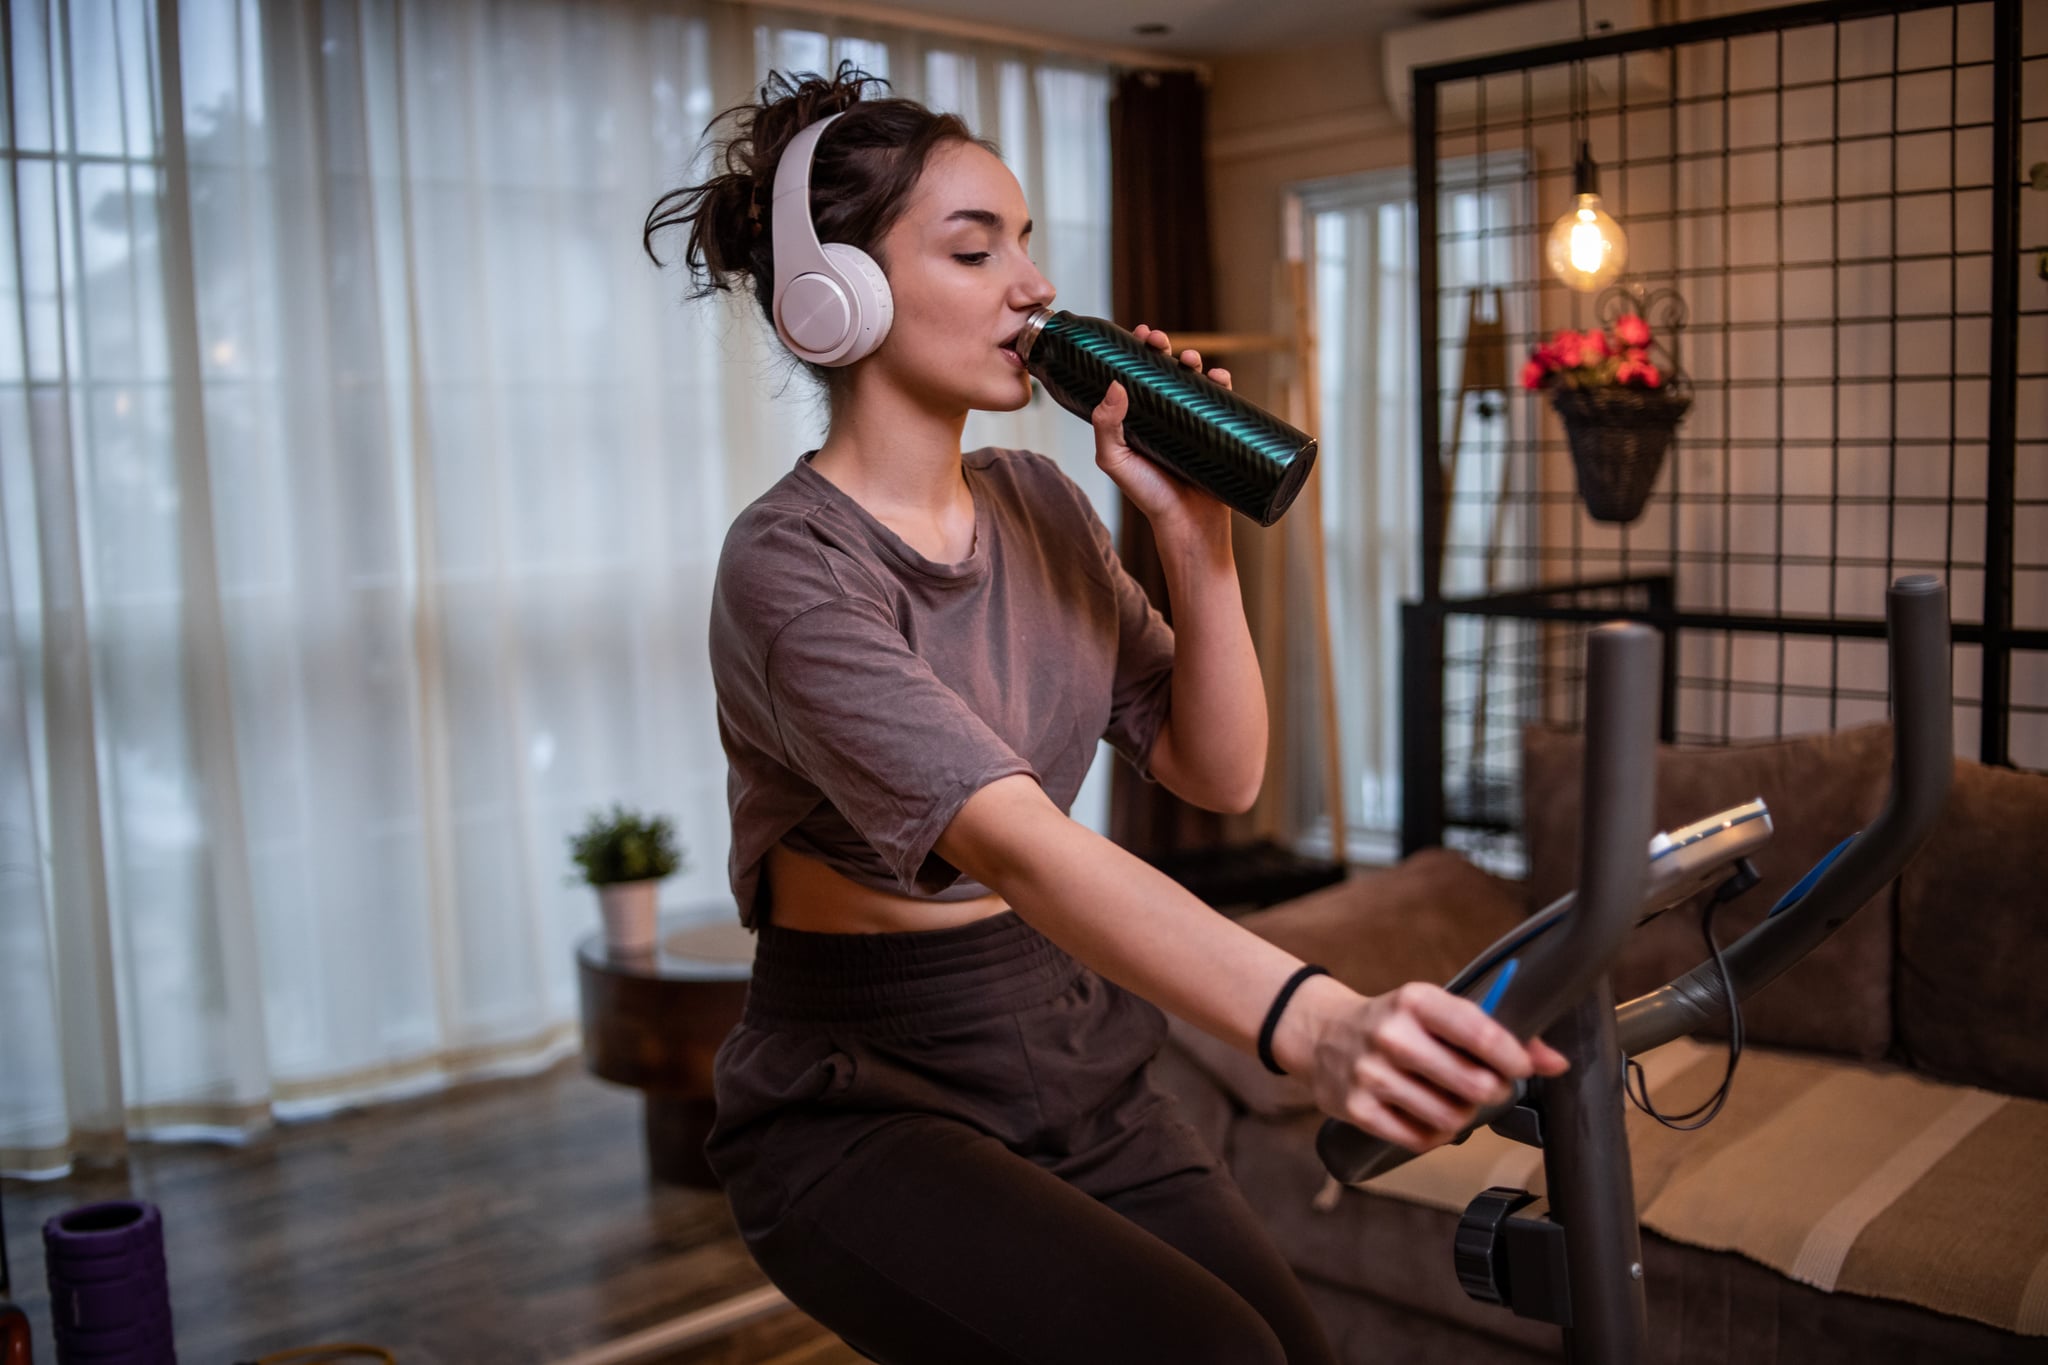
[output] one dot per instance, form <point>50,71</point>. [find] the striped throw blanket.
<point>1845,1177</point>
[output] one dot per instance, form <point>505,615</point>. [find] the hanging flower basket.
<point>1618,438</point>
<point>1619,411</point>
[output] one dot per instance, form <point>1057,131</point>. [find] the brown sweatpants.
<point>945,1146</point>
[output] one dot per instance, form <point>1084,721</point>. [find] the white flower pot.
<point>629,915</point>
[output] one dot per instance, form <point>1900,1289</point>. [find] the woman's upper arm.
<point>996,832</point>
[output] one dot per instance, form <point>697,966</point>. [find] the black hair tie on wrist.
<point>1273,1014</point>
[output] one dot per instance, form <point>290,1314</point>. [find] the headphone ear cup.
<point>815,315</point>
<point>874,305</point>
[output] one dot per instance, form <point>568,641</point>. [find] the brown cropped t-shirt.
<point>865,692</point>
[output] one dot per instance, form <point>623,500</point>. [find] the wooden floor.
<point>503,1221</point>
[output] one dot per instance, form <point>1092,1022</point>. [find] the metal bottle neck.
<point>1033,325</point>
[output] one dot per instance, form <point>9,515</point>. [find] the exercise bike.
<point>1575,1258</point>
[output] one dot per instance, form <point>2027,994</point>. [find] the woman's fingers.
<point>1392,1084</point>
<point>1423,1063</point>
<point>1108,417</point>
<point>1191,358</point>
<point>1465,1026</point>
<point>1414,1049</point>
<point>1384,1121</point>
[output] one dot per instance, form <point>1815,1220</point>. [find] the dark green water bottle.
<point>1242,454</point>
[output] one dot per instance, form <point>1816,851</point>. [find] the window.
<point>1358,234</point>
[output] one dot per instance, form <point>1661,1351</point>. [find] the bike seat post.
<point>1586,1160</point>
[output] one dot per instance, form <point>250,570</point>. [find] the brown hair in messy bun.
<point>861,176</point>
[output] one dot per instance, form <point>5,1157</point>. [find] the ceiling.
<point>1198,28</point>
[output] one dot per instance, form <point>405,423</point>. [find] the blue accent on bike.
<point>1805,884</point>
<point>1500,985</point>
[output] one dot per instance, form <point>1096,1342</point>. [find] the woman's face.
<point>960,270</point>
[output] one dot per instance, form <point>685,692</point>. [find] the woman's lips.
<point>1010,354</point>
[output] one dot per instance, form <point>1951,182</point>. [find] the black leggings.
<point>946,1147</point>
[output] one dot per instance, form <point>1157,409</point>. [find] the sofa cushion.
<point>1705,1307</point>
<point>1820,789</point>
<point>1419,921</point>
<point>1972,973</point>
<point>1853,1179</point>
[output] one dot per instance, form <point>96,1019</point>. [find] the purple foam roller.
<point>110,1299</point>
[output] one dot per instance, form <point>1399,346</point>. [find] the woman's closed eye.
<point>971,257</point>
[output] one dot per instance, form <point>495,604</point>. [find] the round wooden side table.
<point>654,1021</point>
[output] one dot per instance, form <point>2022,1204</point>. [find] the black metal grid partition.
<point>1836,194</point>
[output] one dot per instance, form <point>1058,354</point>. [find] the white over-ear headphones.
<point>832,303</point>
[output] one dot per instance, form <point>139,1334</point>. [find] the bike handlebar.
<point>1923,763</point>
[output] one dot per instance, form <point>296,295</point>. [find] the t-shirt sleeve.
<point>863,718</point>
<point>1142,690</point>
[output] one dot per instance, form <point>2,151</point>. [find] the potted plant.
<point>625,855</point>
<point>1619,410</point>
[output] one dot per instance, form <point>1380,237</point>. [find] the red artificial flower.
<point>1632,330</point>
<point>1639,372</point>
<point>1533,372</point>
<point>1637,353</point>
<point>1564,349</point>
<point>1593,347</point>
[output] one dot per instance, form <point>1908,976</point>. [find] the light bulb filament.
<point>1588,246</point>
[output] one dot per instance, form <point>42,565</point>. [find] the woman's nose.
<point>1036,290</point>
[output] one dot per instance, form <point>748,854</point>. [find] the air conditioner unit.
<point>1509,30</point>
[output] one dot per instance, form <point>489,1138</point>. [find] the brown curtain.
<point>1160,274</point>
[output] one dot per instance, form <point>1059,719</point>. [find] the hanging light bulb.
<point>1586,247</point>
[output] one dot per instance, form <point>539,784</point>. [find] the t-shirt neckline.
<point>896,546</point>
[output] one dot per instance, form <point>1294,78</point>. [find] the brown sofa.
<point>1886,1137</point>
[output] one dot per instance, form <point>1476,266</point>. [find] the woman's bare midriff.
<point>803,893</point>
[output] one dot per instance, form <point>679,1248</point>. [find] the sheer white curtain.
<point>1360,236</point>
<point>360,485</point>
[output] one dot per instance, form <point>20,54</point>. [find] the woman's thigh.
<point>934,1244</point>
<point>1201,1212</point>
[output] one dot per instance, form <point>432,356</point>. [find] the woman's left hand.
<point>1169,502</point>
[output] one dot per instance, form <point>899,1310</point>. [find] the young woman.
<point>935,1126</point>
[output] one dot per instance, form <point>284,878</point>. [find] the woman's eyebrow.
<point>987,219</point>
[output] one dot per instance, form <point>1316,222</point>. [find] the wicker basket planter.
<point>1618,437</point>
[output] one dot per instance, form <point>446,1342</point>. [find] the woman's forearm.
<point>1212,749</point>
<point>1132,923</point>
<point>1411,1066</point>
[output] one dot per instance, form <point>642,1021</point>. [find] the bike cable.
<point>1636,1085</point>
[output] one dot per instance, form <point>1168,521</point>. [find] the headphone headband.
<point>795,234</point>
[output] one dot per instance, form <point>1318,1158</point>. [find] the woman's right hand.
<point>1416,1065</point>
